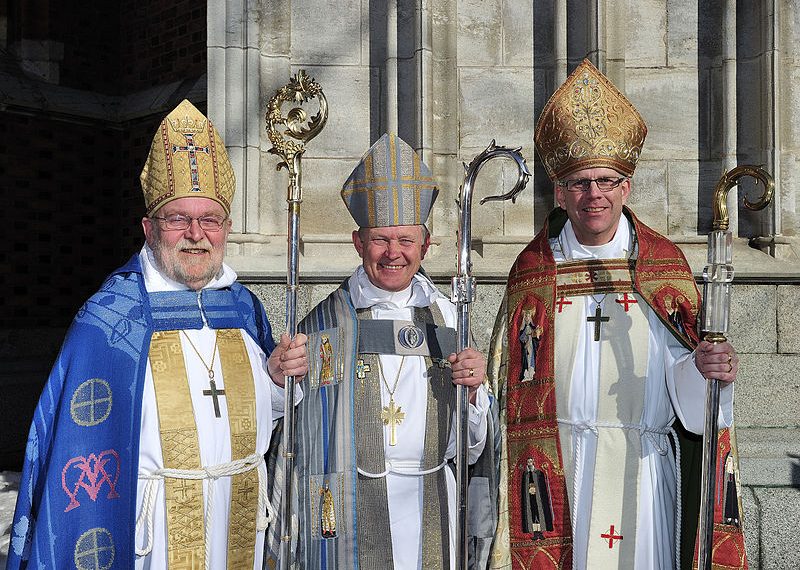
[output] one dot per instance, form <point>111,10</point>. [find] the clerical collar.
<point>155,281</point>
<point>567,247</point>
<point>420,293</point>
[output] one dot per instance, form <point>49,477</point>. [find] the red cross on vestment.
<point>625,301</point>
<point>561,302</point>
<point>611,536</point>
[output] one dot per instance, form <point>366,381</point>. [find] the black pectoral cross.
<point>215,394</point>
<point>598,319</point>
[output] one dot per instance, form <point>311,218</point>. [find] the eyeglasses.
<point>584,184</point>
<point>181,222</point>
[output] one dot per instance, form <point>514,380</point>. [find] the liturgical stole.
<point>622,320</point>
<point>180,448</point>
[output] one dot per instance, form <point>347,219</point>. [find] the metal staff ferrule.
<point>463,289</point>
<point>463,295</point>
<point>299,129</point>
<point>717,280</point>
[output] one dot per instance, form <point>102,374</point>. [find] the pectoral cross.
<point>392,417</point>
<point>598,319</point>
<point>215,394</point>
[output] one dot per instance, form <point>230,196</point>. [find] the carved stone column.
<point>234,99</point>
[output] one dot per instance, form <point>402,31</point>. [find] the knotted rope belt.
<point>266,512</point>
<point>409,468</point>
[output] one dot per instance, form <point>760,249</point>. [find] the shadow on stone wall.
<point>795,477</point>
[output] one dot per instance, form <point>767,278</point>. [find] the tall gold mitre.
<point>588,123</point>
<point>187,158</point>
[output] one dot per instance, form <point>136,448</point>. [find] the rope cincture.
<point>644,431</point>
<point>402,468</point>
<point>266,511</point>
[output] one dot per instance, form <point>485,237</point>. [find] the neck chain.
<point>598,319</point>
<point>213,392</point>
<point>209,369</point>
<point>396,378</point>
<point>392,415</point>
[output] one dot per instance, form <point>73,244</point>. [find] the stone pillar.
<point>729,103</point>
<point>597,34</point>
<point>444,139</point>
<point>560,40</point>
<point>772,225</point>
<point>424,63</point>
<point>390,69</point>
<point>615,26</point>
<point>234,99</point>
<point>787,100</point>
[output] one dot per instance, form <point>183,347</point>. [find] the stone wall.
<point>764,328</point>
<point>714,85</point>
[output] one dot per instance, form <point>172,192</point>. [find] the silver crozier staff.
<point>717,277</point>
<point>463,295</point>
<point>300,129</point>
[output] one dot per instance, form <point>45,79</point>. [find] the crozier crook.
<point>717,277</point>
<point>463,295</point>
<point>300,129</point>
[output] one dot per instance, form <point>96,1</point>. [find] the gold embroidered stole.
<point>180,450</point>
<point>620,400</point>
<point>241,402</point>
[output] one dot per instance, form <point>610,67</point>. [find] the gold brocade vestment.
<point>186,540</point>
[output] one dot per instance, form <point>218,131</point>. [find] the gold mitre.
<point>588,123</point>
<point>187,158</point>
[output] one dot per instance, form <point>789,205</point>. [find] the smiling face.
<point>594,214</point>
<point>192,256</point>
<point>391,255</point>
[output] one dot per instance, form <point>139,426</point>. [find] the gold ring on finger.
<point>472,372</point>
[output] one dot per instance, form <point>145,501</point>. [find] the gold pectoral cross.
<point>392,416</point>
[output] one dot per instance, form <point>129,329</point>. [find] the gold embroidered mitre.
<point>187,158</point>
<point>588,123</point>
